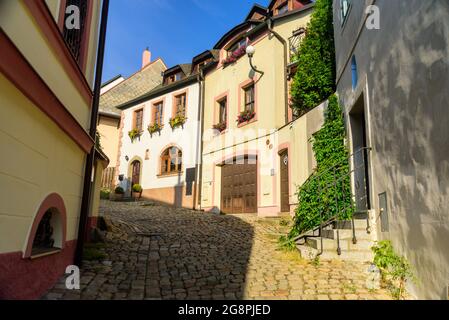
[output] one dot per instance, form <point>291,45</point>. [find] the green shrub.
<point>137,188</point>
<point>119,190</point>
<point>104,193</point>
<point>314,80</point>
<point>93,252</point>
<point>395,269</point>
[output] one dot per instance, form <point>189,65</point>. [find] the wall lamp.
<point>250,50</point>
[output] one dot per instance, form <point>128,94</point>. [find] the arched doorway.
<point>135,172</point>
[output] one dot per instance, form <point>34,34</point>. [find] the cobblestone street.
<point>157,252</point>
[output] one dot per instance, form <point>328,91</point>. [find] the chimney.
<point>146,58</point>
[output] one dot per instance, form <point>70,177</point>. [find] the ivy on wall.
<point>314,80</point>
<point>327,193</point>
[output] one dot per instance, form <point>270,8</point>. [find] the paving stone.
<point>196,255</point>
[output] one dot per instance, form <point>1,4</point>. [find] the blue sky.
<point>175,30</point>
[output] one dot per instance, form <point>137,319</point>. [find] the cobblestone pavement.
<point>158,252</point>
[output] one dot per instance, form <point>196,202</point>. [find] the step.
<point>332,234</point>
<point>345,244</point>
<point>347,224</point>
<point>361,215</point>
<point>348,234</point>
<point>309,253</point>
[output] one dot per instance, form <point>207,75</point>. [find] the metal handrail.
<point>330,220</point>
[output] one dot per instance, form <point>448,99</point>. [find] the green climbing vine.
<point>327,193</point>
<point>314,80</point>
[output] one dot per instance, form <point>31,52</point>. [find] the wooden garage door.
<point>239,187</point>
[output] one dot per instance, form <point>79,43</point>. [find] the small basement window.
<point>48,238</point>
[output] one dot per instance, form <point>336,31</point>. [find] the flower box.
<point>153,128</point>
<point>234,56</point>
<point>177,121</point>
<point>245,116</point>
<point>134,134</point>
<point>220,126</point>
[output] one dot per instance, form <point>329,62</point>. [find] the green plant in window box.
<point>177,121</point>
<point>153,128</point>
<point>220,126</point>
<point>137,191</point>
<point>245,116</point>
<point>134,134</point>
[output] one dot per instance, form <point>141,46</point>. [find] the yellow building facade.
<point>46,89</point>
<point>255,152</point>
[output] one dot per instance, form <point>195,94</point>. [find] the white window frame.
<point>345,6</point>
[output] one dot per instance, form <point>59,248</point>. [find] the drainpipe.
<point>284,43</point>
<point>87,186</point>
<point>199,163</point>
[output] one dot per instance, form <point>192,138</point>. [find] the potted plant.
<point>177,121</point>
<point>134,134</point>
<point>220,126</point>
<point>119,192</point>
<point>153,128</point>
<point>245,116</point>
<point>137,191</point>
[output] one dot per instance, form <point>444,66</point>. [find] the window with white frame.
<point>345,5</point>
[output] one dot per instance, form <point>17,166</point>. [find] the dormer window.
<point>282,8</point>
<point>173,78</point>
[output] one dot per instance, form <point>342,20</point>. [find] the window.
<point>173,78</point>
<point>283,8</point>
<point>223,108</point>
<point>171,161</point>
<point>75,37</point>
<point>158,109</point>
<point>44,240</point>
<point>249,98</point>
<point>344,7</point>
<point>295,42</point>
<point>138,119</point>
<point>355,77</point>
<point>180,105</point>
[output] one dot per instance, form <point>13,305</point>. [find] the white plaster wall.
<point>185,138</point>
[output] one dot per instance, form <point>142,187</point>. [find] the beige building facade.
<point>255,154</point>
<point>46,88</point>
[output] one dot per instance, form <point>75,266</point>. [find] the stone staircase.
<point>338,241</point>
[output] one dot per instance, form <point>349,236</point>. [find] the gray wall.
<point>403,72</point>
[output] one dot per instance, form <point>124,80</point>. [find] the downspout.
<point>87,185</point>
<point>284,43</point>
<point>199,164</point>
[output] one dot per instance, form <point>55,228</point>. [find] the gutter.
<point>109,114</point>
<point>90,160</point>
<point>199,163</point>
